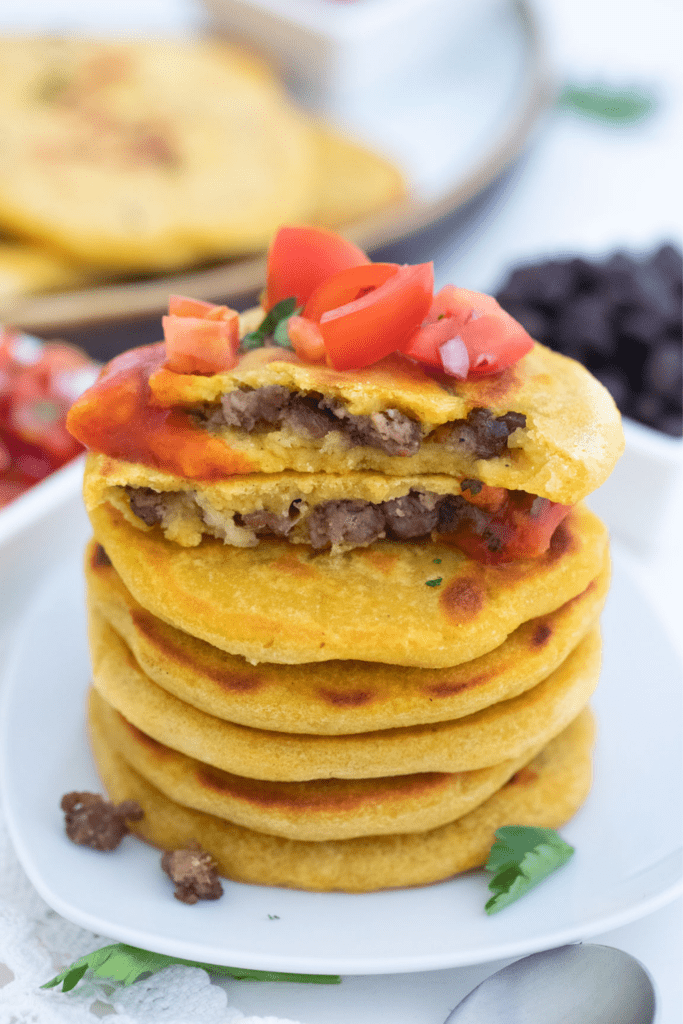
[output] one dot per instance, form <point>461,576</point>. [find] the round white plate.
<point>627,836</point>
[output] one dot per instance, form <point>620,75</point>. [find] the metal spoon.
<point>582,984</point>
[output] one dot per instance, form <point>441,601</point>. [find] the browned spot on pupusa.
<point>463,598</point>
<point>143,738</point>
<point>346,698</point>
<point>541,634</point>
<point>497,388</point>
<point>383,562</point>
<point>511,572</point>
<point>291,565</point>
<point>448,689</point>
<point>327,794</point>
<point>524,777</point>
<point>100,559</point>
<point>156,633</point>
<point>563,539</point>
<point>237,683</point>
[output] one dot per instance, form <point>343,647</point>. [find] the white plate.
<point>627,836</point>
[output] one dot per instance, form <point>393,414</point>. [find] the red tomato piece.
<point>195,345</point>
<point>430,336</point>
<point>494,341</point>
<point>448,314</point>
<point>533,530</point>
<point>491,499</point>
<point>306,339</point>
<point>301,258</point>
<point>521,528</point>
<point>9,490</point>
<point>461,303</point>
<point>180,305</point>
<point>492,338</point>
<point>347,286</point>
<point>378,313</point>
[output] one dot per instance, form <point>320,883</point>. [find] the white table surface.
<point>581,188</point>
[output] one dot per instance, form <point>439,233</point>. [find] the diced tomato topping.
<point>366,313</point>
<point>491,499</point>
<point>9,490</point>
<point>301,258</point>
<point>347,286</point>
<point>180,305</point>
<point>426,343</point>
<point>200,337</point>
<point>521,528</point>
<point>492,339</point>
<point>460,303</point>
<point>306,339</point>
<point>199,346</point>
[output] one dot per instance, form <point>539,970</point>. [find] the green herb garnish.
<point>275,324</point>
<point>618,106</point>
<point>126,964</point>
<point>436,561</point>
<point>434,583</point>
<point>521,857</point>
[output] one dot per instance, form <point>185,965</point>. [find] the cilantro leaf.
<point>126,964</point>
<point>435,582</point>
<point>521,857</point>
<point>602,103</point>
<point>275,323</point>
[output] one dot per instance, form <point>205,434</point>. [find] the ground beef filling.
<point>481,435</point>
<point>349,521</point>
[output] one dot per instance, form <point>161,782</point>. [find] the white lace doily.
<point>36,943</point>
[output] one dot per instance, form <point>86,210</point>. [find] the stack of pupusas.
<point>343,591</point>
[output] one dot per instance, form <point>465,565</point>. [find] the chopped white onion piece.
<point>455,358</point>
<point>484,360</point>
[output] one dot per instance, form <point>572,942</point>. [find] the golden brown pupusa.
<point>283,603</point>
<point>547,792</point>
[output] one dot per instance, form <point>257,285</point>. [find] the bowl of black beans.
<point>621,316</point>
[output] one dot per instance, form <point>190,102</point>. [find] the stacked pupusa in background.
<point>344,620</point>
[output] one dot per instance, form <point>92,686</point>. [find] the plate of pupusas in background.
<point>152,167</point>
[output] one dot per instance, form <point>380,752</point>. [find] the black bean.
<point>620,316</point>
<point>538,323</point>
<point>616,382</point>
<point>669,262</point>
<point>670,423</point>
<point>545,284</point>
<point>587,319</point>
<point>662,370</point>
<point>649,408</point>
<point>645,324</point>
